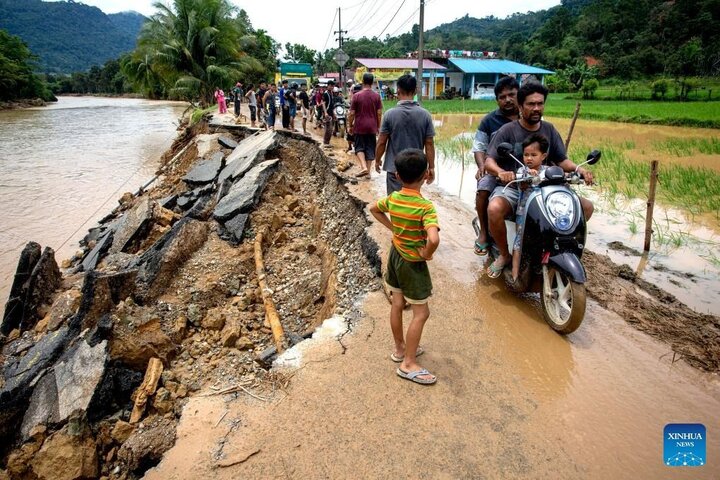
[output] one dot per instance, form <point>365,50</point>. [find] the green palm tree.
<point>191,47</point>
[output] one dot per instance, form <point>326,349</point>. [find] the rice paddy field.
<point>693,114</point>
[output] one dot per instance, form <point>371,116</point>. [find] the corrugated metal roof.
<point>399,63</point>
<point>468,65</point>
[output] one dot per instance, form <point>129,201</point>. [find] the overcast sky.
<point>311,22</point>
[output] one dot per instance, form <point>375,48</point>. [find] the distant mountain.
<point>68,36</point>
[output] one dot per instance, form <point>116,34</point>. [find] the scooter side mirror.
<point>504,149</point>
<point>593,157</point>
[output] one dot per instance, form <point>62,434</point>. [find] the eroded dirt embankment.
<point>162,278</point>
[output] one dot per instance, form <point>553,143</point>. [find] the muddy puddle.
<point>684,258</point>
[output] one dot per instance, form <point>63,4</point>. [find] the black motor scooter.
<point>552,245</point>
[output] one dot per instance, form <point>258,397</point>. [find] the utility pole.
<point>340,40</point>
<point>421,46</point>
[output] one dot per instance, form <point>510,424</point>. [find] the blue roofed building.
<point>475,78</point>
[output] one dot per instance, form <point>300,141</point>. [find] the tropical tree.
<point>190,47</point>
<point>299,53</point>
<point>17,80</point>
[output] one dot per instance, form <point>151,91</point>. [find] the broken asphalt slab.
<point>245,193</point>
<point>205,171</point>
<point>247,153</point>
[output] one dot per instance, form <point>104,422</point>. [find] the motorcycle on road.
<point>340,110</point>
<point>552,245</point>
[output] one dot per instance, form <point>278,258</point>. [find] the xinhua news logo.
<point>684,445</point>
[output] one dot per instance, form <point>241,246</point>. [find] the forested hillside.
<point>67,36</point>
<point>628,38</point>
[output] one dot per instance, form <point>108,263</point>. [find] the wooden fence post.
<point>572,125</point>
<point>650,204</point>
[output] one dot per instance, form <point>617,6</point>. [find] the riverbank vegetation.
<point>17,79</point>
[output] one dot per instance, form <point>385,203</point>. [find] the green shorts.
<point>412,279</point>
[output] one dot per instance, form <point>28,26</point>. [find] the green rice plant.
<point>712,257</point>
<point>694,189</point>
<point>684,147</point>
<point>457,150</point>
<point>691,114</point>
<point>633,226</point>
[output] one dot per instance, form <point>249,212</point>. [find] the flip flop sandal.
<point>494,270</point>
<point>397,359</point>
<point>362,174</point>
<point>413,376</point>
<point>481,249</point>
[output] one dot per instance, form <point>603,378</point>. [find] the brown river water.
<point>62,167</point>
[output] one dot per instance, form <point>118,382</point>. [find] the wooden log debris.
<point>146,389</point>
<point>271,314</point>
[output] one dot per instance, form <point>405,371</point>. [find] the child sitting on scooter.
<point>535,151</point>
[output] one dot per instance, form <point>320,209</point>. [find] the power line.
<point>427,2</point>
<point>393,18</point>
<point>353,26</point>
<point>378,19</point>
<point>356,13</point>
<point>332,25</point>
<point>404,23</point>
<point>353,6</point>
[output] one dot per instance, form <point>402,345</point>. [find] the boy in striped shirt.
<point>413,221</point>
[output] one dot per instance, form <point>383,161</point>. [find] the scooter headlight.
<point>561,208</point>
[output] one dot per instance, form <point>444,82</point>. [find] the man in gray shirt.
<point>531,100</point>
<point>407,125</point>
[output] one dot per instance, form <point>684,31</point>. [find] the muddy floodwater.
<point>688,268</point>
<point>62,167</point>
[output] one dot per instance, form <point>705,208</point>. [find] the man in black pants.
<point>328,112</point>
<point>284,105</point>
<point>506,97</point>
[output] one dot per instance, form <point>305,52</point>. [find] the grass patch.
<point>697,190</point>
<point>198,113</point>
<point>684,147</point>
<point>690,114</point>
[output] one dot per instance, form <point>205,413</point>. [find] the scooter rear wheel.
<point>563,301</point>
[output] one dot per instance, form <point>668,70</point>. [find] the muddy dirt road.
<point>513,399</point>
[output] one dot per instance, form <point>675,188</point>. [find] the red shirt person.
<point>364,122</point>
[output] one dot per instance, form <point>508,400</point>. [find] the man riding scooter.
<point>503,201</point>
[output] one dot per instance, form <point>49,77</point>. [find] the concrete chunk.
<point>18,292</point>
<point>232,230</point>
<point>79,376</point>
<point>101,247</point>
<point>159,263</point>
<point>248,153</point>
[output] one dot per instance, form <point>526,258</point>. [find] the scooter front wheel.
<point>563,301</point>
